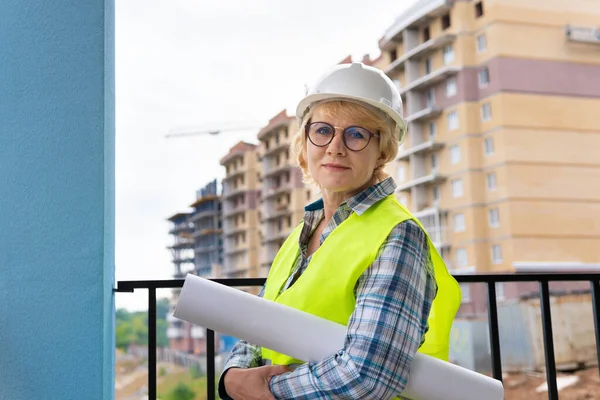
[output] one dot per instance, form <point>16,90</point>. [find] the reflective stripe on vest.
<point>326,287</point>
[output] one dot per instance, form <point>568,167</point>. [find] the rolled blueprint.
<point>310,338</point>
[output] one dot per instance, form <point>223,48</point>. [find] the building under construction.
<point>198,249</point>
<point>284,195</point>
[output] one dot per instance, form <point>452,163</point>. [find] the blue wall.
<point>56,199</point>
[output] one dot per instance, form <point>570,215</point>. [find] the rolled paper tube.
<point>310,338</point>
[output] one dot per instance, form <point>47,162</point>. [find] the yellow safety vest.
<point>326,287</point>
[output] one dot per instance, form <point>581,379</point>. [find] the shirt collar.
<point>361,202</point>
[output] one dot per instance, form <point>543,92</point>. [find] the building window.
<point>484,77</point>
<point>493,217</point>
<point>496,254</point>
<point>426,34</point>
<point>465,290</point>
<point>488,145</point>
<point>393,54</point>
<point>432,130</point>
<point>427,66</point>
<point>436,193</point>
<point>446,21</point>
<point>486,112</point>
<point>455,154</point>
<point>401,173</point>
<point>481,43</point>
<point>461,257</point>
<point>457,188</point>
<point>448,54</point>
<point>452,121</point>
<point>430,98</point>
<point>490,180</point>
<point>459,223</point>
<point>450,87</point>
<point>478,9</point>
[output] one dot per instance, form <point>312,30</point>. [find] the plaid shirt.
<point>393,300</point>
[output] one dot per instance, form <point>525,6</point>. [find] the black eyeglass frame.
<point>334,128</point>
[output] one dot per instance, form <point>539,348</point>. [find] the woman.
<point>359,258</point>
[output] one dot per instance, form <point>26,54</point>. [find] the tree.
<point>181,392</point>
<point>162,308</point>
<point>161,333</point>
<point>124,335</point>
<point>132,327</point>
<point>123,315</point>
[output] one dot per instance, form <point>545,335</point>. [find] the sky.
<point>211,64</point>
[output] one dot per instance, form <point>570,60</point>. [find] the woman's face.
<point>334,167</point>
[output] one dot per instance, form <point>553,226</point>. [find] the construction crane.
<point>177,133</point>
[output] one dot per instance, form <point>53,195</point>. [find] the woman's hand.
<point>252,383</point>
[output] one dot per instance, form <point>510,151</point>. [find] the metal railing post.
<point>210,364</point>
<point>548,341</point>
<point>152,343</point>
<point>596,311</point>
<point>494,331</point>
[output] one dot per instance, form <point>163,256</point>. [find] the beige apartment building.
<point>502,158</point>
<point>284,195</point>
<point>240,202</point>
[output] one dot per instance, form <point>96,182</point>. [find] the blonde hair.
<point>365,117</point>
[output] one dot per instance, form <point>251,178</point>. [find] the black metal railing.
<point>543,279</point>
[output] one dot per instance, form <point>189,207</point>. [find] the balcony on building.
<point>419,52</point>
<point>419,14</point>
<point>429,112</point>
<point>434,219</point>
<point>182,243</point>
<point>406,29</point>
<point>206,231</point>
<point>231,190</point>
<point>202,248</point>
<point>180,223</point>
<point>433,177</point>
<point>281,207</point>
<point>277,169</point>
<point>231,250</point>
<point>236,264</point>
<point>233,174</point>
<point>425,147</point>
<point>234,209</point>
<point>426,81</point>
<point>235,154</point>
<point>275,141</point>
<point>275,136</point>
<point>277,236</point>
<point>206,209</point>
<point>236,229</point>
<point>276,186</point>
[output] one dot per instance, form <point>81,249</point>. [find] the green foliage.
<point>132,327</point>
<point>162,308</point>
<point>181,392</point>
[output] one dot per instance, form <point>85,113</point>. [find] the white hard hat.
<point>360,83</point>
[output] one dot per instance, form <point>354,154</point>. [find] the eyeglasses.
<point>355,138</point>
